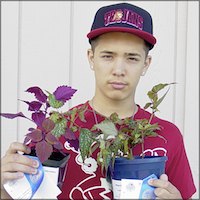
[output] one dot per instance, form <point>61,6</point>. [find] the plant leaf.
<point>159,87</point>
<point>51,138</point>
<point>74,143</point>
<point>58,145</point>
<point>35,135</point>
<point>38,118</point>
<point>108,128</point>
<point>53,102</point>
<point>12,116</point>
<point>39,94</point>
<point>48,125</point>
<point>152,95</point>
<point>43,150</point>
<point>27,140</point>
<point>69,134</point>
<point>157,103</point>
<point>64,93</point>
<point>147,105</point>
<point>85,141</point>
<point>60,127</point>
<point>34,105</point>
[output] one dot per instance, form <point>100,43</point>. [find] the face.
<point>118,61</point>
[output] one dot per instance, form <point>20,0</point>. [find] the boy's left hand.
<point>164,189</point>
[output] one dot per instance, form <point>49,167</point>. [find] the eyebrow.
<point>108,52</point>
<point>127,54</point>
<point>133,54</point>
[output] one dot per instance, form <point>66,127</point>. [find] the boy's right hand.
<point>14,165</point>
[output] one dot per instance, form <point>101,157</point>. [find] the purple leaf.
<point>64,93</point>
<point>12,116</point>
<point>34,105</point>
<point>27,140</point>
<point>35,135</point>
<point>43,150</point>
<point>69,135</point>
<point>38,118</point>
<point>39,94</point>
<point>48,125</point>
<point>58,145</point>
<point>51,138</point>
<point>74,143</point>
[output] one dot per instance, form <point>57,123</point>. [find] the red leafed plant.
<point>50,123</point>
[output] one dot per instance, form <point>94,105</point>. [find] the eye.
<point>133,59</point>
<point>107,57</point>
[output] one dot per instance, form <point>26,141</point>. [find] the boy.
<point>121,37</point>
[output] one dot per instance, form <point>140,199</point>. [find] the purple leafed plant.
<point>50,123</point>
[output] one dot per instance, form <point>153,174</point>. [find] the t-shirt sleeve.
<point>179,171</point>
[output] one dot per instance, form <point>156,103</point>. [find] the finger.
<point>16,146</point>
<point>163,184</point>
<point>12,159</point>
<point>162,193</point>
<point>17,167</point>
<point>164,177</point>
<point>7,176</point>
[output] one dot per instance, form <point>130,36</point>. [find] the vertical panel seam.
<point>71,28</point>
<point>19,62</point>
<point>186,67</point>
<point>175,63</point>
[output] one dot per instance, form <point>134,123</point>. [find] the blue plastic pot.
<point>138,168</point>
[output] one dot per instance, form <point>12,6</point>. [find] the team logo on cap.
<point>118,15</point>
<point>124,16</point>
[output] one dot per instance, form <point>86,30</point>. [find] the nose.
<point>119,67</point>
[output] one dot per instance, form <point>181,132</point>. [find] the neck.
<point>124,109</point>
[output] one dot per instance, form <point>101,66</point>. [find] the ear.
<point>146,65</point>
<point>90,55</point>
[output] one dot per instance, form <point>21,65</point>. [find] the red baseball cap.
<point>123,17</point>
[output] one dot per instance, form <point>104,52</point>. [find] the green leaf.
<point>114,118</point>
<point>159,87</point>
<point>152,95</point>
<point>53,102</point>
<point>60,127</point>
<point>147,105</point>
<point>81,112</point>
<point>73,115</point>
<point>54,116</point>
<point>108,128</point>
<point>85,142</point>
<point>157,103</point>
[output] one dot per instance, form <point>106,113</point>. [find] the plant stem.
<point>142,144</point>
<point>151,117</point>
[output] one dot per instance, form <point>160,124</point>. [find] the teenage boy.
<point>121,37</point>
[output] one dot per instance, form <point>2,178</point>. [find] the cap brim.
<point>142,34</point>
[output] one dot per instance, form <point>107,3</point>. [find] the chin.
<point>117,97</point>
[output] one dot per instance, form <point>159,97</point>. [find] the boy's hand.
<point>14,165</point>
<point>164,189</point>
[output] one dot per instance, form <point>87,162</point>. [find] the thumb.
<point>164,177</point>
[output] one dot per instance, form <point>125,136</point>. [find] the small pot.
<point>57,160</point>
<point>138,168</point>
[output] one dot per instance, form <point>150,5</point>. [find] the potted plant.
<point>50,124</point>
<point>116,139</point>
<point>114,145</point>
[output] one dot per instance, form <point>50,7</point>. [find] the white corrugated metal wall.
<point>44,44</point>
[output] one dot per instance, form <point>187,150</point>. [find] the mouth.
<point>118,85</point>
